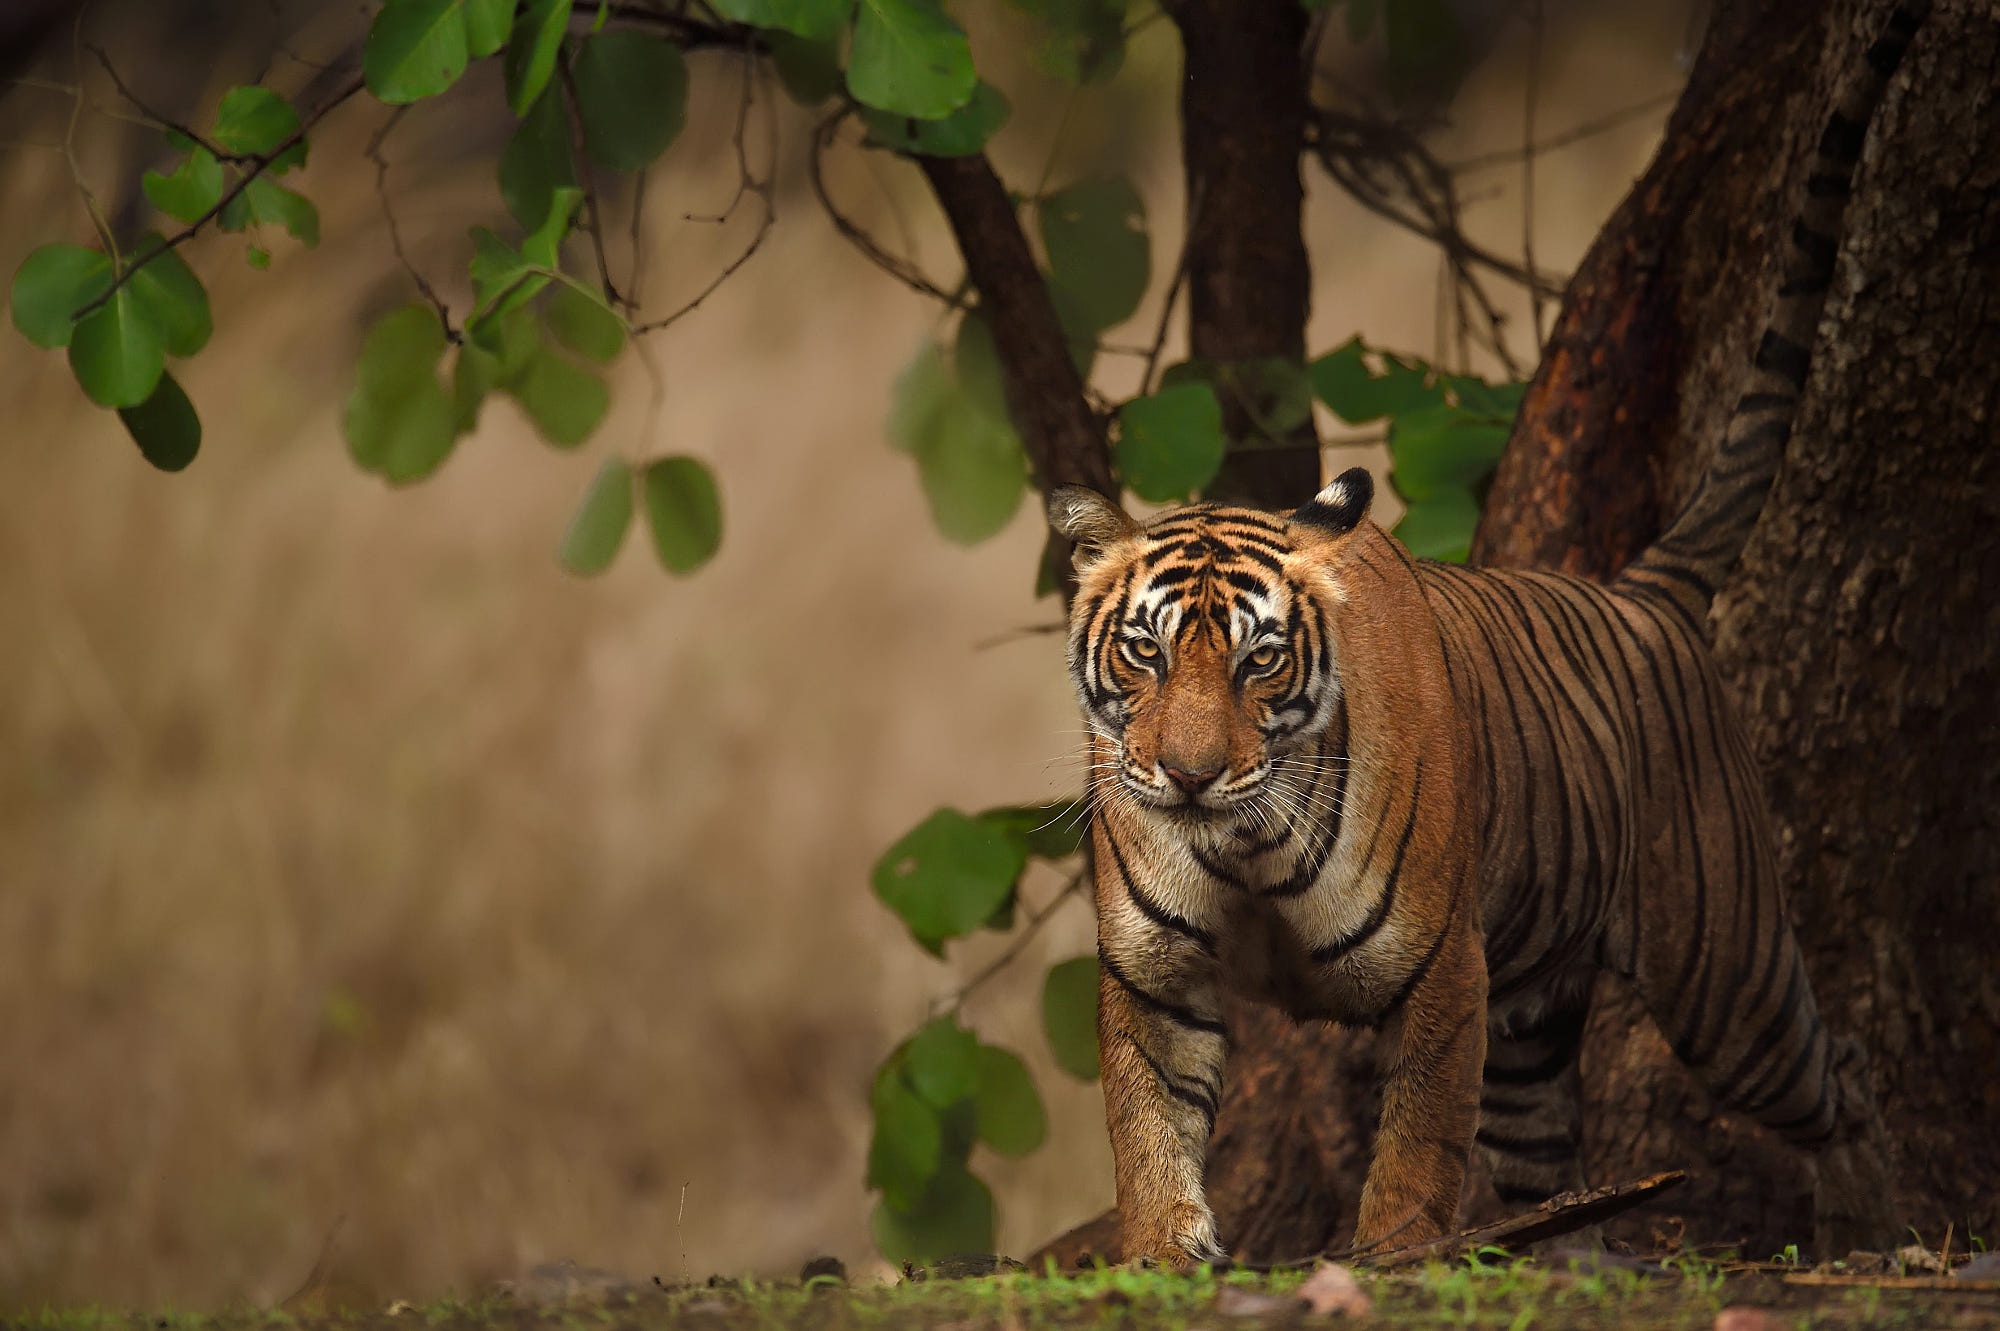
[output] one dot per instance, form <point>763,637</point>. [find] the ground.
<point>1559,1292</point>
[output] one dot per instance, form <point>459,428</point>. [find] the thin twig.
<point>745,180</point>
<point>1589,129</point>
<point>163,122</point>
<point>901,269</point>
<point>374,154</point>
<point>1173,292</point>
<point>90,204</point>
<point>764,188</point>
<point>1528,164</point>
<point>1017,947</point>
<point>592,209</point>
<point>255,168</point>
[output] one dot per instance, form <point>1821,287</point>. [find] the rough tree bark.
<point>1863,646</point>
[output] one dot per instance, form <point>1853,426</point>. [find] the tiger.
<point>1437,800</point>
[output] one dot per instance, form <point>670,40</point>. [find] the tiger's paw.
<point>1184,1242</point>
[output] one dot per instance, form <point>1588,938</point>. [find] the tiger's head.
<point>1199,643</point>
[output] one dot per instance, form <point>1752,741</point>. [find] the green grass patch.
<point>1499,1294</point>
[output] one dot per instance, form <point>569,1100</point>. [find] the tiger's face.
<point>1199,650</point>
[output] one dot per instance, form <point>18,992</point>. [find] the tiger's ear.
<point>1092,523</point>
<point>1339,508</point>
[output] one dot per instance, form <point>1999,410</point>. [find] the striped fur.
<point>1438,800</point>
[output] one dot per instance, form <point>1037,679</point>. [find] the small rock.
<point>1235,1301</point>
<point>823,1268</point>
<point>1986,1266</point>
<point>1746,1319</point>
<point>1860,1263</point>
<point>1332,1291</point>
<point>1916,1257</point>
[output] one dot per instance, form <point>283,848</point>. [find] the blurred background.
<point>365,877</point>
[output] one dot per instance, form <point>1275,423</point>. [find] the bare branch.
<point>760,187</point>
<point>374,154</point>
<point>1589,129</point>
<point>1014,949</point>
<point>1045,393</point>
<point>164,122</point>
<point>901,269</point>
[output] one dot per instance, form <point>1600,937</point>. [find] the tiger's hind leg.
<point>1530,1101</point>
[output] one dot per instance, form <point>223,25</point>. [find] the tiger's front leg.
<point>1161,1049</point>
<point>1430,1095</point>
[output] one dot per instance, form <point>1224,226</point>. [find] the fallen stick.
<point>1896,1282</point>
<point>1562,1214</point>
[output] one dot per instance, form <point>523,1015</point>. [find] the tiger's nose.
<point>1192,782</point>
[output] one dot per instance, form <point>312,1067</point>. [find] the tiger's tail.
<point>1690,560</point>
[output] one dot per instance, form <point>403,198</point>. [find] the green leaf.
<point>1356,394</point>
<point>1011,1119</point>
<point>164,426</point>
<point>584,324</point>
<point>1272,391</point>
<point>969,458</point>
<point>1069,1016</point>
<point>1052,831</point>
<point>938,1063</point>
<point>537,161</point>
<point>1170,444</point>
<point>810,70</point>
<point>1440,526</point>
<point>477,372</point>
<point>1095,235</point>
<point>954,1215</point>
<point>271,204</point>
<point>973,469</point>
<point>565,401</point>
<point>415,49</point>
<point>542,246</point>
<point>975,361</point>
<point>960,134</point>
<point>194,187</point>
<point>1436,449</point>
<point>51,285</point>
<point>947,876</point>
<point>909,58</point>
<point>598,528</point>
<point>921,391</point>
<point>814,20</point>
<point>117,352</point>
<point>1428,53</point>
<point>253,120</point>
<point>400,423</point>
<point>1082,41</point>
<point>532,50</point>
<point>502,278</point>
<point>486,26</point>
<point>170,298</point>
<point>904,1153</point>
<point>631,94</point>
<point>257,257</point>
<point>684,512</point>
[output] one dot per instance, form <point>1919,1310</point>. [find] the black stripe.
<point>1552,1149</point>
<point>1173,1012</point>
<point>1783,357</point>
<point>1842,137</point>
<point>1150,908</point>
<point>1193,1094</point>
<point>1387,901</point>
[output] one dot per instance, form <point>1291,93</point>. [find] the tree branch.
<point>254,168</point>
<point>1064,438</point>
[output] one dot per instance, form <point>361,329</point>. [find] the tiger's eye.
<point>1144,648</point>
<point>1265,657</point>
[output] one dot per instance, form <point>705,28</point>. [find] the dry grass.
<point>355,862</point>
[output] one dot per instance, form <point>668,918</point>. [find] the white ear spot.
<point>1341,505</point>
